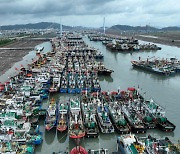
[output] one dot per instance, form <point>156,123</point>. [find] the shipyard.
<point>89,81</point>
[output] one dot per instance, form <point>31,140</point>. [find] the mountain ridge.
<point>48,25</point>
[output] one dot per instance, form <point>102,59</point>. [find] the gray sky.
<point>91,12</point>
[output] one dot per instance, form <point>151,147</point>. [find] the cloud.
<point>91,12</point>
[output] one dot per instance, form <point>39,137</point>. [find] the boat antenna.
<point>104,28</point>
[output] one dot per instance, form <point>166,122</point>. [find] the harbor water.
<point>164,90</point>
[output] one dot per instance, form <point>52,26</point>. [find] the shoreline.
<point>9,57</point>
<point>168,38</point>
<point>159,40</point>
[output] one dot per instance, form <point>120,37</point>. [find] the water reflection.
<point>106,78</point>
<point>61,137</point>
<point>91,143</point>
<point>50,136</point>
<point>151,74</point>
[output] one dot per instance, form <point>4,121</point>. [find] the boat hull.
<point>71,91</point>
<point>78,150</point>
<point>151,70</point>
<point>167,127</point>
<point>61,128</point>
<point>63,90</point>
<point>73,136</point>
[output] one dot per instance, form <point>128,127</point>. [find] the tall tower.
<point>60,28</point>
<point>0,30</point>
<point>104,28</point>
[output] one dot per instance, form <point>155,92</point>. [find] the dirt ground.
<point>171,38</point>
<point>9,57</point>
<point>167,38</point>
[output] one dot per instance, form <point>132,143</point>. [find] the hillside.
<point>40,25</point>
<point>120,28</point>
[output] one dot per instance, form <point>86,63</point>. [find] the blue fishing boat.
<point>64,85</point>
<point>103,119</point>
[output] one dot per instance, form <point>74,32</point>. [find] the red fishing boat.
<point>78,150</point>
<point>63,113</point>
<point>76,127</point>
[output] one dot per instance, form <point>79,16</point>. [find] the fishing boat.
<point>78,150</point>
<point>158,145</point>
<point>102,70</point>
<point>55,84</point>
<point>26,148</point>
<point>98,151</point>
<point>103,119</point>
<point>35,139</point>
<point>143,113</point>
<point>135,121</point>
<point>162,67</point>
<point>80,85</point>
<point>64,84</point>
<point>89,119</point>
<point>15,147</point>
<point>39,49</point>
<point>118,118</point>
<point>99,55</point>
<point>96,85</point>
<point>158,114</point>
<point>107,71</point>
<point>43,78</point>
<point>129,144</point>
<point>76,127</point>
<point>8,147</point>
<point>63,116</point>
<point>51,115</point>
<point>72,87</point>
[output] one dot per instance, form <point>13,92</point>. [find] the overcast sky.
<point>90,13</point>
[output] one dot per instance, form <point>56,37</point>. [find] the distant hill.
<point>120,28</point>
<point>131,28</point>
<point>113,29</point>
<point>40,25</point>
<point>175,28</point>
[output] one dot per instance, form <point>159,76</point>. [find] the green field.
<point>5,41</point>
